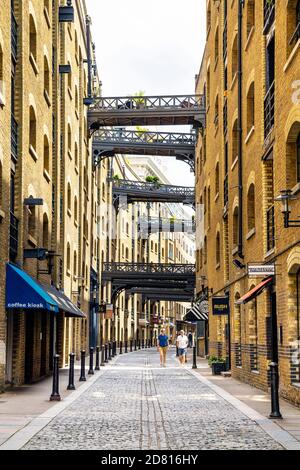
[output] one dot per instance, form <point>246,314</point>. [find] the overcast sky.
<point>153,46</point>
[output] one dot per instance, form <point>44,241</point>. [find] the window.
<point>251,207</point>
<point>32,39</point>
<point>208,25</point>
<point>45,231</point>
<point>76,154</point>
<point>31,220</point>
<point>69,140</point>
<point>70,78</point>
<point>75,209</point>
<point>32,129</point>
<point>75,263</point>
<point>250,16</point>
<point>46,78</point>
<point>217,111</point>
<point>235,141</point>
<point>250,108</point>
<point>69,197</point>
<point>217,179</point>
<point>217,46</point>
<point>235,226</point>
<point>218,249</point>
<point>46,155</point>
<point>293,24</point>
<point>208,207</point>
<point>68,258</point>
<point>234,58</point>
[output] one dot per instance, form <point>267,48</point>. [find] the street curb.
<point>285,439</point>
<point>21,437</point>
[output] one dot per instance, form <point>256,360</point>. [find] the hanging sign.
<point>261,270</point>
<point>220,305</point>
<point>109,311</point>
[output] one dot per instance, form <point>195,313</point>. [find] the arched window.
<point>70,78</point>
<point>217,111</point>
<point>234,58</point>
<point>250,16</point>
<point>45,231</point>
<point>250,108</point>
<point>32,129</point>
<point>75,263</point>
<point>75,209</point>
<point>46,155</point>
<point>293,24</point>
<point>76,154</point>
<point>251,207</point>
<point>217,179</point>
<point>235,141</point>
<point>69,196</point>
<point>218,249</point>
<point>46,78</point>
<point>69,140</point>
<point>32,39</point>
<point>127,254</point>
<point>235,225</point>
<point>68,257</point>
<point>217,45</point>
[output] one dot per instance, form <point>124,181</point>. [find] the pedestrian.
<point>163,346</point>
<point>190,337</point>
<point>182,344</point>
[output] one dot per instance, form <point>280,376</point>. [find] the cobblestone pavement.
<point>137,405</point>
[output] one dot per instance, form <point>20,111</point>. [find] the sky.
<point>155,47</point>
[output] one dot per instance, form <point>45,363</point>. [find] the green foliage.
<point>116,177</point>
<point>152,179</point>
<point>214,359</point>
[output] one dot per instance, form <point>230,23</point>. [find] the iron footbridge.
<point>147,111</point>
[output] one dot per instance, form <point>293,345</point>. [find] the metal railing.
<point>149,268</point>
<point>129,103</point>
<point>270,228</point>
<point>128,186</point>
<point>14,138</point>
<point>269,110</point>
<point>154,225</point>
<point>122,136</point>
<point>14,37</point>
<point>14,236</point>
<point>269,14</point>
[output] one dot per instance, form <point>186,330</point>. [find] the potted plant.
<point>218,365</point>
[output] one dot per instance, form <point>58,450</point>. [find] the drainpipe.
<point>240,128</point>
<point>89,55</point>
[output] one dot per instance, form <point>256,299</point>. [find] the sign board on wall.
<point>220,305</point>
<point>261,270</point>
<point>109,311</point>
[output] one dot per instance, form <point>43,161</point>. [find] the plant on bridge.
<point>138,98</point>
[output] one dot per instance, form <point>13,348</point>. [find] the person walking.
<point>182,344</point>
<point>162,347</point>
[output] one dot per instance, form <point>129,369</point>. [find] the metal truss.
<point>147,111</point>
<point>149,271</point>
<point>165,225</point>
<point>140,191</point>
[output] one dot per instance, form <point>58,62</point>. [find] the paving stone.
<point>137,405</point>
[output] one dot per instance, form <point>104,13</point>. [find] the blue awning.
<point>23,292</point>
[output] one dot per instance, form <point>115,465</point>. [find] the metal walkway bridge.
<point>147,111</point>
<point>140,191</point>
<point>171,277</point>
<point>165,225</point>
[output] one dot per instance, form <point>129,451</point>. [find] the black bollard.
<point>82,371</point>
<point>143,343</point>
<point>116,352</point>
<point>194,358</point>
<point>126,346</point>
<point>109,351</point>
<point>55,396</point>
<point>275,408</point>
<point>121,352</point>
<point>113,349</point>
<point>135,348</point>
<point>139,344</point>
<point>102,356</point>
<point>177,352</point>
<point>97,358</point>
<point>91,369</point>
<point>131,345</point>
<point>149,346</point>
<point>106,354</point>
<point>71,385</point>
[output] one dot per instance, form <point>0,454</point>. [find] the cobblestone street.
<point>137,405</point>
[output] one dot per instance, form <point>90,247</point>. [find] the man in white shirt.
<point>182,344</point>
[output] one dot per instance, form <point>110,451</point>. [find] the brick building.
<point>47,186</point>
<point>249,153</point>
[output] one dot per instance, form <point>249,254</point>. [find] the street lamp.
<point>285,197</point>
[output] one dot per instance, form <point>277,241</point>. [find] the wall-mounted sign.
<point>261,270</point>
<point>220,305</point>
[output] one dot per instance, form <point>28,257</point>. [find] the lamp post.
<point>285,197</point>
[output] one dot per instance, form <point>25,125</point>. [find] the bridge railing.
<point>129,103</point>
<point>128,185</point>
<point>122,136</point>
<point>164,224</point>
<point>149,268</point>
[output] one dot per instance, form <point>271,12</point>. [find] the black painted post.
<point>275,408</point>
<point>82,371</point>
<point>135,345</point>
<point>71,385</point>
<point>126,346</point>
<point>139,344</point>
<point>97,358</point>
<point>102,356</point>
<point>143,343</point>
<point>91,369</point>
<point>106,353</point>
<point>55,396</point>
<point>131,345</point>
<point>109,351</point>
<point>177,352</point>
<point>121,352</point>
<point>194,358</point>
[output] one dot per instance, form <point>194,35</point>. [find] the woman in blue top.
<point>162,347</point>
